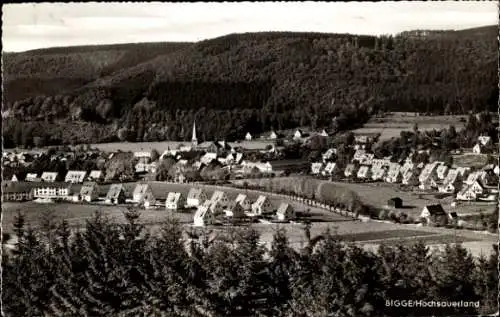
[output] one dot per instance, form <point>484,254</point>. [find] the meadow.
<point>392,124</point>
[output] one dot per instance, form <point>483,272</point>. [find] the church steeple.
<point>194,140</point>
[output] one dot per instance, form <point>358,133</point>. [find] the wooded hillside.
<point>252,82</point>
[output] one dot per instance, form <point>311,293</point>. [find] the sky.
<point>29,26</point>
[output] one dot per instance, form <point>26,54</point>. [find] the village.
<point>220,162</point>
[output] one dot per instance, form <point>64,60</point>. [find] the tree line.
<point>111,269</point>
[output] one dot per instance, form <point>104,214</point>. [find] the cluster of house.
<point>208,210</point>
<point>73,177</point>
<point>463,181</point>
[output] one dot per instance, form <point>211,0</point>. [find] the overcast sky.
<point>29,26</point>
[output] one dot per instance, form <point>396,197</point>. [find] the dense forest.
<point>113,270</point>
<point>245,82</point>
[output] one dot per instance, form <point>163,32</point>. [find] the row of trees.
<point>121,270</point>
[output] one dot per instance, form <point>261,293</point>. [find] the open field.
<point>470,160</point>
<point>392,124</point>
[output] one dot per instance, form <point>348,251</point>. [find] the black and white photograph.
<point>281,159</point>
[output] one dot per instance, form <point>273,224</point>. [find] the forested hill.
<point>248,82</point>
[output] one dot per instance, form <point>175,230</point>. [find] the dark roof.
<point>436,210</point>
<point>396,199</point>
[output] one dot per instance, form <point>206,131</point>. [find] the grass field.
<point>470,160</point>
<point>392,124</point>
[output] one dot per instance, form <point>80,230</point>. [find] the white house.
<point>428,171</point>
<point>323,133</point>
<point>316,168</point>
<point>329,154</point>
<point>89,191</point>
<point>329,169</point>
<point>410,178</point>
<point>30,177</point>
<point>143,194</point>
<point>273,135</point>
<point>220,197</point>
<point>477,149</point>
<point>364,172</point>
<point>14,178</point>
<point>429,183</point>
<point>496,170</point>
<point>359,155</point>
<point>350,170</point>
<point>378,173</point>
<point>95,175</point>
<point>484,140</point>
<point>432,211</point>
<point>285,212</point>
<point>174,201</point>
<point>49,177</point>
<point>298,134</point>
<point>394,174</point>
<point>203,217</point>
<point>208,157</point>
<point>234,210</point>
<point>75,177</point>
<point>441,171</point>
<point>244,201</point>
<point>196,197</point>
<point>248,136</point>
<point>262,206</point>
<point>142,154</point>
<point>477,187</point>
<point>116,194</point>
<point>466,194</point>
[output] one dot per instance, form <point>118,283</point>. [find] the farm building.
<point>143,194</point>
<point>75,177</point>
<point>434,214</point>
<point>49,177</point>
<point>89,191</point>
<point>316,168</point>
<point>16,191</point>
<point>95,176</point>
<point>262,206</point>
<point>174,201</point>
<point>285,212</point>
<point>195,197</point>
<point>116,194</point>
<point>203,217</point>
<point>395,202</point>
<point>234,210</point>
<point>53,191</point>
<point>248,136</point>
<point>243,200</point>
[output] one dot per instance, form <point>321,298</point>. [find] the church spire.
<point>194,140</point>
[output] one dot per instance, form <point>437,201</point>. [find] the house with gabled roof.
<point>234,210</point>
<point>30,177</point>
<point>196,196</point>
<point>273,135</point>
<point>95,175</point>
<point>428,171</point>
<point>208,158</point>
<point>368,159</point>
<point>49,177</point>
<point>484,140</point>
<point>350,170</point>
<point>394,174</point>
<point>285,212</point>
<point>467,194</point>
<point>434,214</point>
<point>410,178</point>
<point>429,183</point>
<point>323,133</point>
<point>75,177</point>
<point>378,173</point>
<point>14,178</point>
<point>262,206</point>
<point>243,200</point>
<point>364,172</point>
<point>359,155</point>
<point>477,187</point>
<point>329,154</point>
<point>203,217</point>
<point>143,194</point>
<point>175,201</point>
<point>329,169</point>
<point>248,136</point>
<point>298,134</point>
<point>220,197</point>
<point>89,191</point>
<point>441,171</point>
<point>316,168</point>
<point>477,149</point>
